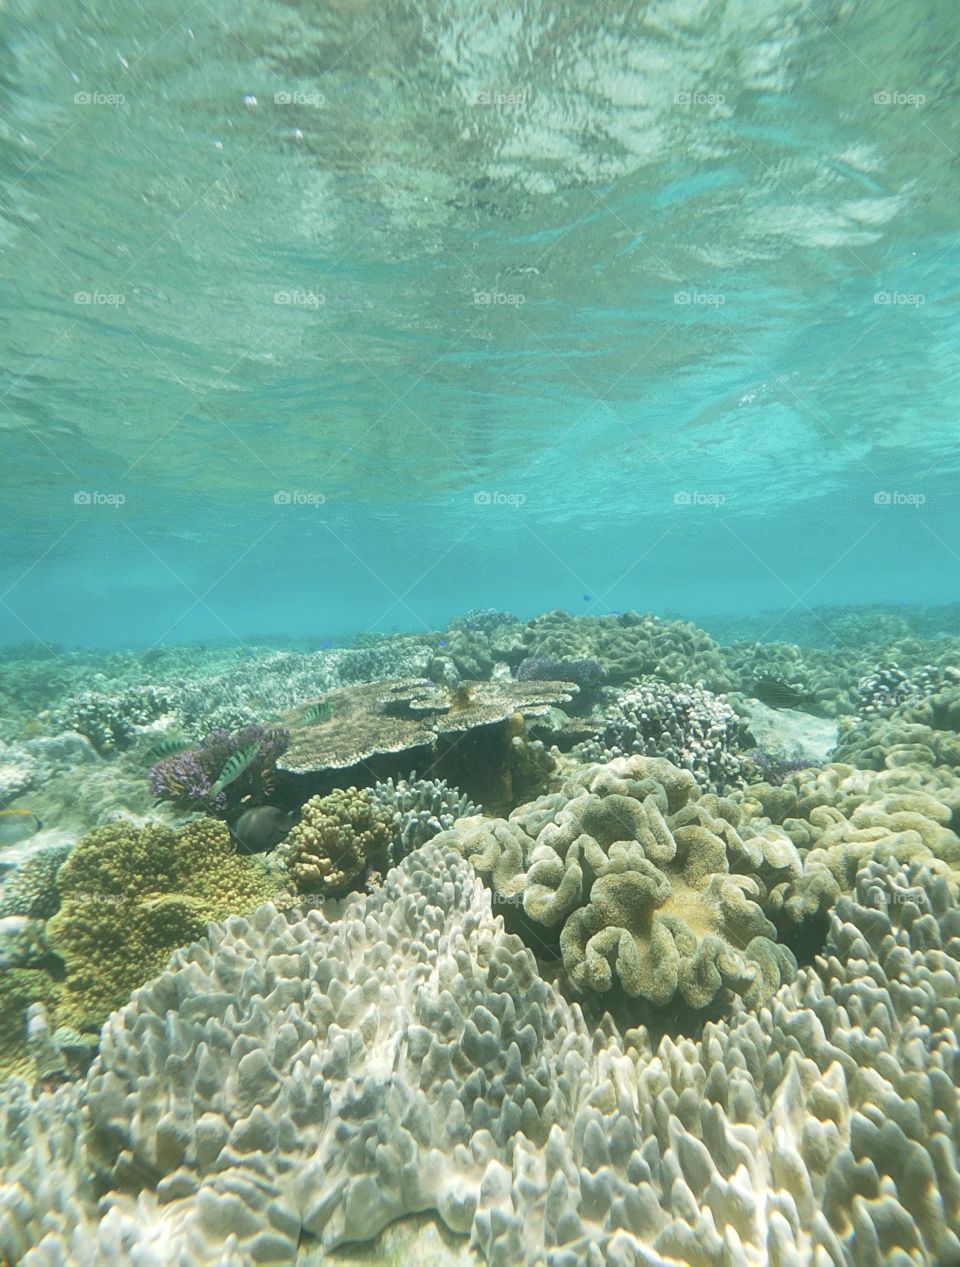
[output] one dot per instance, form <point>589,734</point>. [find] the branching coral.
<point>338,837</point>
<point>419,809</point>
<point>189,779</point>
<point>687,725</point>
<point>32,889</point>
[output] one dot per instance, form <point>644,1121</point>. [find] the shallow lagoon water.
<point>479,658</point>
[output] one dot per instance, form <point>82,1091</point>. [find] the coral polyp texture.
<point>642,882</point>
<point>687,725</point>
<point>291,1082</point>
<point>131,896</point>
<point>338,838</point>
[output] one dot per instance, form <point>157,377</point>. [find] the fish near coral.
<point>262,828</point>
<point>779,694</point>
<point>17,825</point>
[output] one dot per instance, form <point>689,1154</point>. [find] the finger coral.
<point>338,837</point>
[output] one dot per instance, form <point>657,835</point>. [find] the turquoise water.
<point>480,633</point>
<point>527,307</point>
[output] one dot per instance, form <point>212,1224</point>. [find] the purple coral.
<point>587,673</point>
<point>187,778</point>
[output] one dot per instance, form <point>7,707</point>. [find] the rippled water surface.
<point>331,316</point>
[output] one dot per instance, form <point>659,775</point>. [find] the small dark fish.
<point>322,710</point>
<point>241,760</point>
<point>260,829</point>
<point>779,694</point>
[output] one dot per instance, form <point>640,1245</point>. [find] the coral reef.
<point>642,883</point>
<point>420,809</point>
<point>586,672</point>
<point>111,721</point>
<point>339,837</point>
<point>130,896</point>
<point>21,988</point>
<point>409,1058</point>
<point>31,889</point>
<point>189,779</point>
<point>630,646</point>
<point>380,729</point>
<point>688,726</point>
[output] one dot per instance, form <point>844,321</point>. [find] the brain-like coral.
<point>687,725</point>
<point>130,896</point>
<point>339,837</point>
<point>630,645</point>
<point>297,1080</point>
<point>643,882</point>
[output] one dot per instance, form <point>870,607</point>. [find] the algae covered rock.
<point>130,896</point>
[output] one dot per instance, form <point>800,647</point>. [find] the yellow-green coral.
<point>642,879</point>
<point>131,896</point>
<point>337,838</point>
<point>19,987</point>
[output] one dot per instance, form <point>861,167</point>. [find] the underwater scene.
<point>480,633</point>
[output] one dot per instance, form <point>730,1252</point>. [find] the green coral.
<point>338,837</point>
<point>131,896</point>
<point>19,987</point>
<point>647,884</point>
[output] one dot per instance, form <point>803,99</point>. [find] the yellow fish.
<point>17,825</point>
